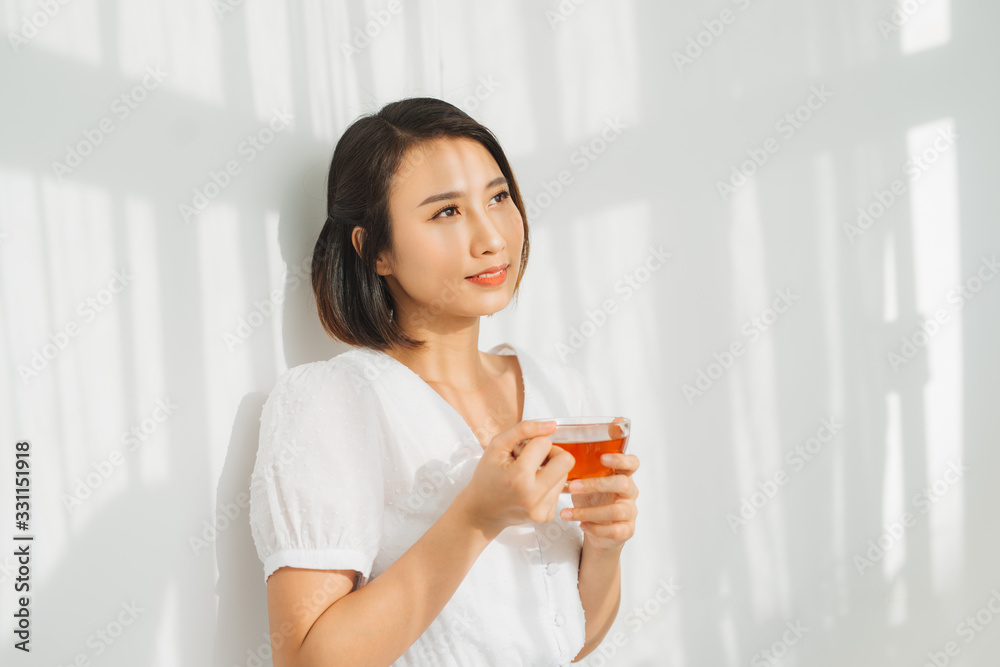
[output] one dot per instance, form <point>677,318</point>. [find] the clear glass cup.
<point>587,438</point>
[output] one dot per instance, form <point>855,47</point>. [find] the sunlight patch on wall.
<point>277,273</point>
<point>269,58</point>
<point>183,38</point>
<point>89,285</point>
<point>333,80</point>
<point>894,496</point>
<point>829,243</point>
<point>68,29</point>
<point>937,277</point>
<point>148,385</point>
<point>890,294</point>
<point>224,304</point>
<point>755,433</point>
<point>926,24</point>
<point>612,59</point>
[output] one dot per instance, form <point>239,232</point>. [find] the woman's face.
<point>452,217</point>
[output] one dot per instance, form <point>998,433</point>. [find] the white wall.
<point>547,83</point>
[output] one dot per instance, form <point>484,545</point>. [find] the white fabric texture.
<point>358,457</point>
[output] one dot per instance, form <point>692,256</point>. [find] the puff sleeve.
<point>316,493</point>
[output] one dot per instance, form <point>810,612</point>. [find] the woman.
<point>397,517</point>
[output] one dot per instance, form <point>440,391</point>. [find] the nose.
<point>486,236</point>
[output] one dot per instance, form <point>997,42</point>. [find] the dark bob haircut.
<point>353,300</point>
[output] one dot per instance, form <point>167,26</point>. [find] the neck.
<point>448,359</point>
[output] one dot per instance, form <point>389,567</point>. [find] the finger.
<point>509,440</point>
<point>618,484</point>
<point>615,428</point>
<point>551,497</point>
<point>621,463</point>
<point>554,472</point>
<point>616,532</point>
<point>612,513</point>
<point>536,453</point>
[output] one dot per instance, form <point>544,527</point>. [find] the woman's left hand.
<point>605,506</point>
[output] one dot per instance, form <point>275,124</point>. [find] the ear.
<point>357,236</point>
<point>382,266</point>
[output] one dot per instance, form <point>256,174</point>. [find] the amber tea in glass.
<point>587,438</point>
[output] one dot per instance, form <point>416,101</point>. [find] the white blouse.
<point>358,457</point>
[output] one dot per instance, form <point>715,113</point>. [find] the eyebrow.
<point>499,180</point>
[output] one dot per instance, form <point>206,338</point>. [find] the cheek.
<point>427,258</point>
<point>515,230</point>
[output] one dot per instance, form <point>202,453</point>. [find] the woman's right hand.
<point>511,485</point>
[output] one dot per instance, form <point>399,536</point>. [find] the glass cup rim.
<point>583,421</point>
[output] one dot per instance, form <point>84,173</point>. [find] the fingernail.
<point>607,458</point>
<point>576,486</point>
<point>566,513</point>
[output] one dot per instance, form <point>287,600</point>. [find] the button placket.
<point>551,587</point>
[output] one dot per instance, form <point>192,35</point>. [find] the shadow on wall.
<point>242,631</point>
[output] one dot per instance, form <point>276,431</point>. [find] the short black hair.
<point>353,300</point>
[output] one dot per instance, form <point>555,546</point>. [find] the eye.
<point>446,208</point>
<point>503,194</point>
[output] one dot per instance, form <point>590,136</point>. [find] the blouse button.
<point>551,568</point>
<point>559,620</point>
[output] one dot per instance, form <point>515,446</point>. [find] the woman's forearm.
<point>600,593</point>
<point>377,623</point>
